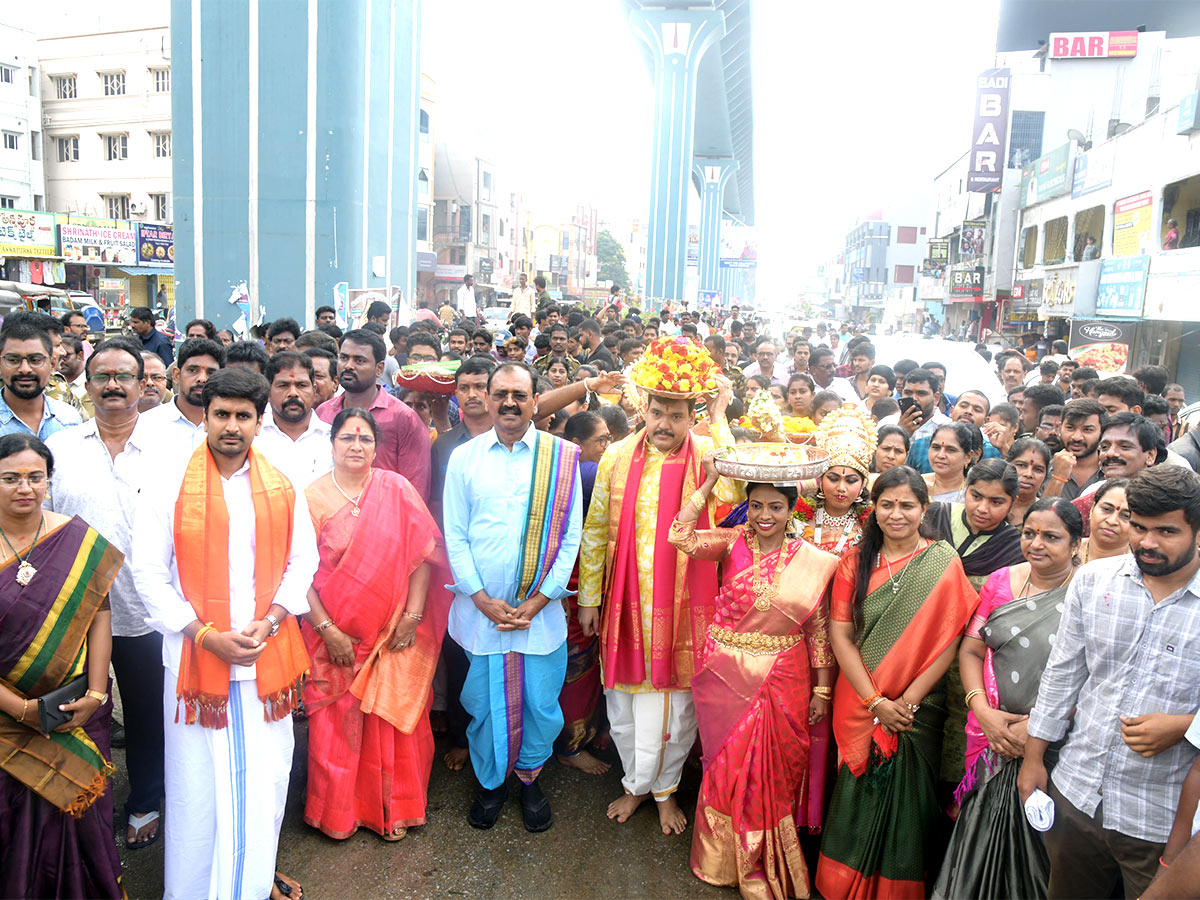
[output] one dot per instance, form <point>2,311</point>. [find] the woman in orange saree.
<point>755,695</point>
<point>377,621</point>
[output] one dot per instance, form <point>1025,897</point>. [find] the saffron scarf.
<point>43,645</point>
<point>685,590</point>
<point>201,535</point>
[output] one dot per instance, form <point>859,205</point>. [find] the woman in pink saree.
<point>755,695</point>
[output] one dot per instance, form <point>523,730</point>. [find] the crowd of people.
<point>963,661</point>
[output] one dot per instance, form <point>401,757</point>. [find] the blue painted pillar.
<point>678,39</point>
<point>295,164</point>
<point>713,172</point>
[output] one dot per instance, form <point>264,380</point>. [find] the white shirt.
<point>172,435</point>
<point>844,389</point>
<point>303,460</point>
<point>103,491</point>
<point>466,301</point>
<point>523,300</point>
<point>926,429</point>
<point>157,577</point>
<point>778,374</point>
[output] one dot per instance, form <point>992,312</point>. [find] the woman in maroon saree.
<point>754,693</point>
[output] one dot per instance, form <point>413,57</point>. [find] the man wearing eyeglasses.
<point>26,363</point>
<point>99,469</point>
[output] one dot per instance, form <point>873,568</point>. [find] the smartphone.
<point>905,404</point>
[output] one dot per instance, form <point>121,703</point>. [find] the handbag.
<point>49,714</point>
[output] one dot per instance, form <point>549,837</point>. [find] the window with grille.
<point>68,148</point>
<point>1028,253</point>
<point>113,83</point>
<point>118,205</point>
<point>64,87</point>
<point>12,140</point>
<point>116,146</point>
<point>1025,140</point>
<point>7,74</point>
<point>1054,251</point>
<point>162,80</point>
<point>159,203</point>
<point>162,144</point>
<point>1088,223</point>
<point>422,223</point>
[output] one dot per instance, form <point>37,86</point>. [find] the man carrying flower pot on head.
<point>650,604</point>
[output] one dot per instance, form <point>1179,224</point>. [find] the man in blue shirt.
<point>26,363</point>
<point>511,572</point>
<point>141,320</point>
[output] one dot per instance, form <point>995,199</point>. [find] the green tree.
<point>611,258</point>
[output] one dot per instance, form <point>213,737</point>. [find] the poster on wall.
<point>1102,345</point>
<point>1122,286</point>
<point>1132,224</point>
<point>1046,177</point>
<point>156,245</point>
<point>972,240</point>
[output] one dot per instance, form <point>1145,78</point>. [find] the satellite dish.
<point>1077,136</point>
<point>1121,128</point>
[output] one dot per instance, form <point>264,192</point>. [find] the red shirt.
<point>403,444</point>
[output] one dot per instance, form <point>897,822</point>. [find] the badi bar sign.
<point>989,136</point>
<point>1093,44</point>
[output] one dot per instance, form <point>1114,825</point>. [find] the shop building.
<point>22,179</point>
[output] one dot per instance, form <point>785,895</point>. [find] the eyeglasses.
<point>100,379</point>
<point>36,360</point>
<point>157,379</point>
<point>33,479</point>
<point>347,440</point>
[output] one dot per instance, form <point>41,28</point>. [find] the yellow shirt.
<point>594,547</point>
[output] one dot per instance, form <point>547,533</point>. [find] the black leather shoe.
<point>117,738</point>
<point>535,808</point>
<point>486,808</point>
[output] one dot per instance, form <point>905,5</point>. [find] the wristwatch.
<point>96,695</point>
<point>274,623</point>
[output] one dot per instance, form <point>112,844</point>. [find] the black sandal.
<point>286,889</point>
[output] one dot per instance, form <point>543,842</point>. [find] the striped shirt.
<point>1118,653</point>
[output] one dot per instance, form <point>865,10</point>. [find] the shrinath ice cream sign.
<point>1093,44</point>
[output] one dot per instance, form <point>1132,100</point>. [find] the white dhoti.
<point>654,733</point>
<point>226,789</point>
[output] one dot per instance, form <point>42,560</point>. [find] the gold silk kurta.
<point>595,558</point>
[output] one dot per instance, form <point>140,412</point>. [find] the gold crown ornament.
<point>848,435</point>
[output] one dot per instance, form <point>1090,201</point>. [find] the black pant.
<point>457,718</point>
<point>139,667</point>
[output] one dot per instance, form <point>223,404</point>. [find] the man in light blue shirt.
<point>26,363</point>
<point>512,508</point>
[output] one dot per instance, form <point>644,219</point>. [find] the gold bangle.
<point>321,626</point>
<point>24,713</point>
<point>414,615</point>
<point>875,703</point>
<point>825,693</point>
<point>972,693</point>
<point>202,634</point>
<point>697,500</point>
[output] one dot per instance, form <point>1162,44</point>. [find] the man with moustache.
<point>70,367</point>
<point>154,393</point>
<point>513,508</point>
<point>325,374</point>
<point>294,439</point>
<point>1077,465</point>
<point>26,364</point>
<point>642,483</point>
<point>403,444</point>
<point>1048,427</point>
<point>1120,687</point>
<point>177,427</point>
<point>99,471</point>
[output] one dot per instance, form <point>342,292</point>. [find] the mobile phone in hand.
<point>905,404</point>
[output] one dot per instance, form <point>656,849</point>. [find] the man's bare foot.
<point>456,758</point>
<point>585,762</point>
<point>622,808</point>
<point>670,816</point>
<point>296,892</point>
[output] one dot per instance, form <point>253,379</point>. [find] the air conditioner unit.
<point>137,209</point>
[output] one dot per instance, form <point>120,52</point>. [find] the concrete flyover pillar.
<point>295,152</point>
<point>713,172</point>
<point>679,39</point>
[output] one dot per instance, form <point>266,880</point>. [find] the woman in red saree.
<point>376,624</point>
<point>754,693</point>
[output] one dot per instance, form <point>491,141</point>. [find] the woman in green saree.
<point>899,604</point>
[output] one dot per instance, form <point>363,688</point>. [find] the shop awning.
<point>145,270</point>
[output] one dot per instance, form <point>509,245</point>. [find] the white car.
<point>965,369</point>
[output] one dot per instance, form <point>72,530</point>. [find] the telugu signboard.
<point>1132,224</point>
<point>97,241</point>
<point>1046,177</point>
<point>27,234</point>
<point>1092,44</point>
<point>156,245</point>
<point>1122,286</point>
<point>1102,345</point>
<point>990,131</point>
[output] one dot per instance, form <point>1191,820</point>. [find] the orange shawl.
<point>202,555</point>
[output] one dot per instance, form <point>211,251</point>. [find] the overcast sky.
<point>855,104</point>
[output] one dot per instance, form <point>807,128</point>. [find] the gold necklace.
<point>26,570</point>
<point>1029,578</point>
<point>764,593</point>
